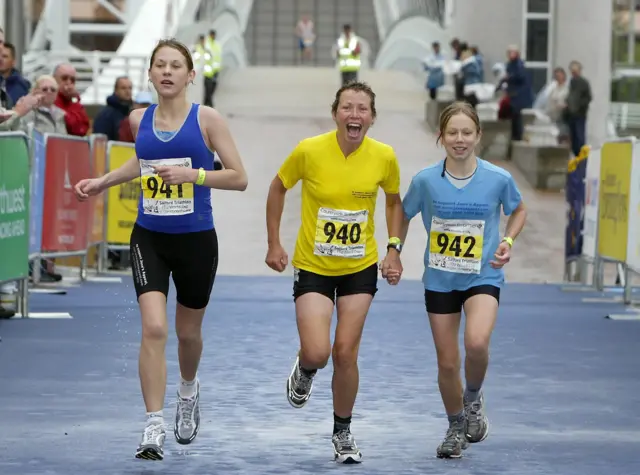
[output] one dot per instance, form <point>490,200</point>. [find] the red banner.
<point>66,221</point>
<point>99,168</point>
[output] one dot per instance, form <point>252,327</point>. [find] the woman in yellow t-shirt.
<point>336,256</point>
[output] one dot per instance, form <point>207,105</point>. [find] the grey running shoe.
<point>345,448</point>
<point>476,427</point>
<point>454,442</point>
<point>299,386</point>
<point>152,443</point>
<point>187,421</point>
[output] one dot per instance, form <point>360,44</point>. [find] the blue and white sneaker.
<point>187,423</point>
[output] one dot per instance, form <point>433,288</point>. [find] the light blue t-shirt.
<point>463,224</point>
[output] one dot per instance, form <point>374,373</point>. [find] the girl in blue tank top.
<point>177,208</point>
<point>174,236</point>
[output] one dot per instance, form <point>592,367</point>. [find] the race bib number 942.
<point>341,233</point>
<point>456,245</point>
<point>160,199</point>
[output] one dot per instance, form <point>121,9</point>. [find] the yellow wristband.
<point>508,240</point>
<point>394,241</point>
<point>201,176</point>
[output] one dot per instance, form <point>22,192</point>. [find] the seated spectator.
<point>47,117</point>
<point>15,83</point>
<point>118,106</point>
<point>142,100</point>
<point>68,100</point>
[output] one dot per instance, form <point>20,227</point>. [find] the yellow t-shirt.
<point>336,235</point>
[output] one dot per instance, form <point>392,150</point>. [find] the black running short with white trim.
<point>362,282</point>
<point>452,302</point>
<point>190,258</point>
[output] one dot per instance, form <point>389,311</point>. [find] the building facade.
<point>550,33</point>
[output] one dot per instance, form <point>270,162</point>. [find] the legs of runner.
<point>153,372</point>
<point>481,311</point>
<point>445,328</point>
<point>313,316</point>
<point>352,313</point>
<point>189,333</point>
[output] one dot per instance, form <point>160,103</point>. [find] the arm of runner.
<point>513,206</point>
<point>411,206</point>
<point>275,207</point>
<point>234,176</point>
<point>391,187</point>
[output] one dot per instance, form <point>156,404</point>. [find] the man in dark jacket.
<point>575,113</point>
<point>15,83</point>
<point>117,109</point>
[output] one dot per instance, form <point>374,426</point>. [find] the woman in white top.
<point>306,37</point>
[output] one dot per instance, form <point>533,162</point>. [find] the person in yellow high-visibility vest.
<point>211,79</point>
<point>347,52</point>
<point>203,61</point>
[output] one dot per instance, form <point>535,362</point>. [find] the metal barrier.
<point>603,226</point>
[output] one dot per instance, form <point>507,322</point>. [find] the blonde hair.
<point>44,77</point>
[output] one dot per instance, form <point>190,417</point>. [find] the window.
<point>537,30</point>
<point>537,46</point>
<point>538,77</point>
<point>538,6</point>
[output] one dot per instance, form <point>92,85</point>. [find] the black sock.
<point>340,423</point>
<point>309,373</point>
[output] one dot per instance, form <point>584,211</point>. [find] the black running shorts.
<point>190,258</point>
<point>452,302</point>
<point>363,282</point>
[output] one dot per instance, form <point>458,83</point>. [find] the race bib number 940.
<point>456,245</point>
<point>341,233</point>
<point>160,199</point>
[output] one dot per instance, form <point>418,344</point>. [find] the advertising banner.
<point>37,191</point>
<point>575,196</point>
<point>66,221</point>
<point>98,169</point>
<point>633,240</point>
<point>592,196</point>
<point>615,176</point>
<point>14,206</point>
<point>122,201</point>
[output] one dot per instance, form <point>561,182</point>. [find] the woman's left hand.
<point>502,255</point>
<point>173,175</point>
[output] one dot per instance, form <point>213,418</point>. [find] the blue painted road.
<point>562,391</point>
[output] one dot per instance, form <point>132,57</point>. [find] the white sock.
<point>155,417</point>
<point>187,389</point>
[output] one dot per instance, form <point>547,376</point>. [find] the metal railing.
<point>390,13</point>
<point>91,67</point>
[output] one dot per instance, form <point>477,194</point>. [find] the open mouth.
<point>459,149</point>
<point>166,82</point>
<point>353,130</point>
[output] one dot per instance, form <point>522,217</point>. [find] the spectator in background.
<point>434,65</point>
<point>47,117</point>
<point>552,100</point>
<point>475,51</point>
<point>118,106</point>
<point>519,92</point>
<point>306,37</point>
<point>68,100</point>
<point>347,50</point>
<point>17,86</point>
<point>469,76</point>
<point>578,101</point>
<point>142,100</point>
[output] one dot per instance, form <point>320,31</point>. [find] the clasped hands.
<point>391,267</point>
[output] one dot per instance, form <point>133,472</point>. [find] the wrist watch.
<point>395,243</point>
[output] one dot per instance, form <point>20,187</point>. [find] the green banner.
<point>14,207</point>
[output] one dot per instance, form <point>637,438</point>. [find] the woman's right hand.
<point>88,187</point>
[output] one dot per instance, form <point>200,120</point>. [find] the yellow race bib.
<point>160,199</point>
<point>456,245</point>
<point>341,233</point>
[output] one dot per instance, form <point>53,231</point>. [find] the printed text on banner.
<point>592,196</point>
<point>615,175</point>
<point>65,224</point>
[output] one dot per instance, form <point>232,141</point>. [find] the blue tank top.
<point>173,209</point>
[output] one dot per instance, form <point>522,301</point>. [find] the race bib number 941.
<point>341,233</point>
<point>456,245</point>
<point>160,199</point>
